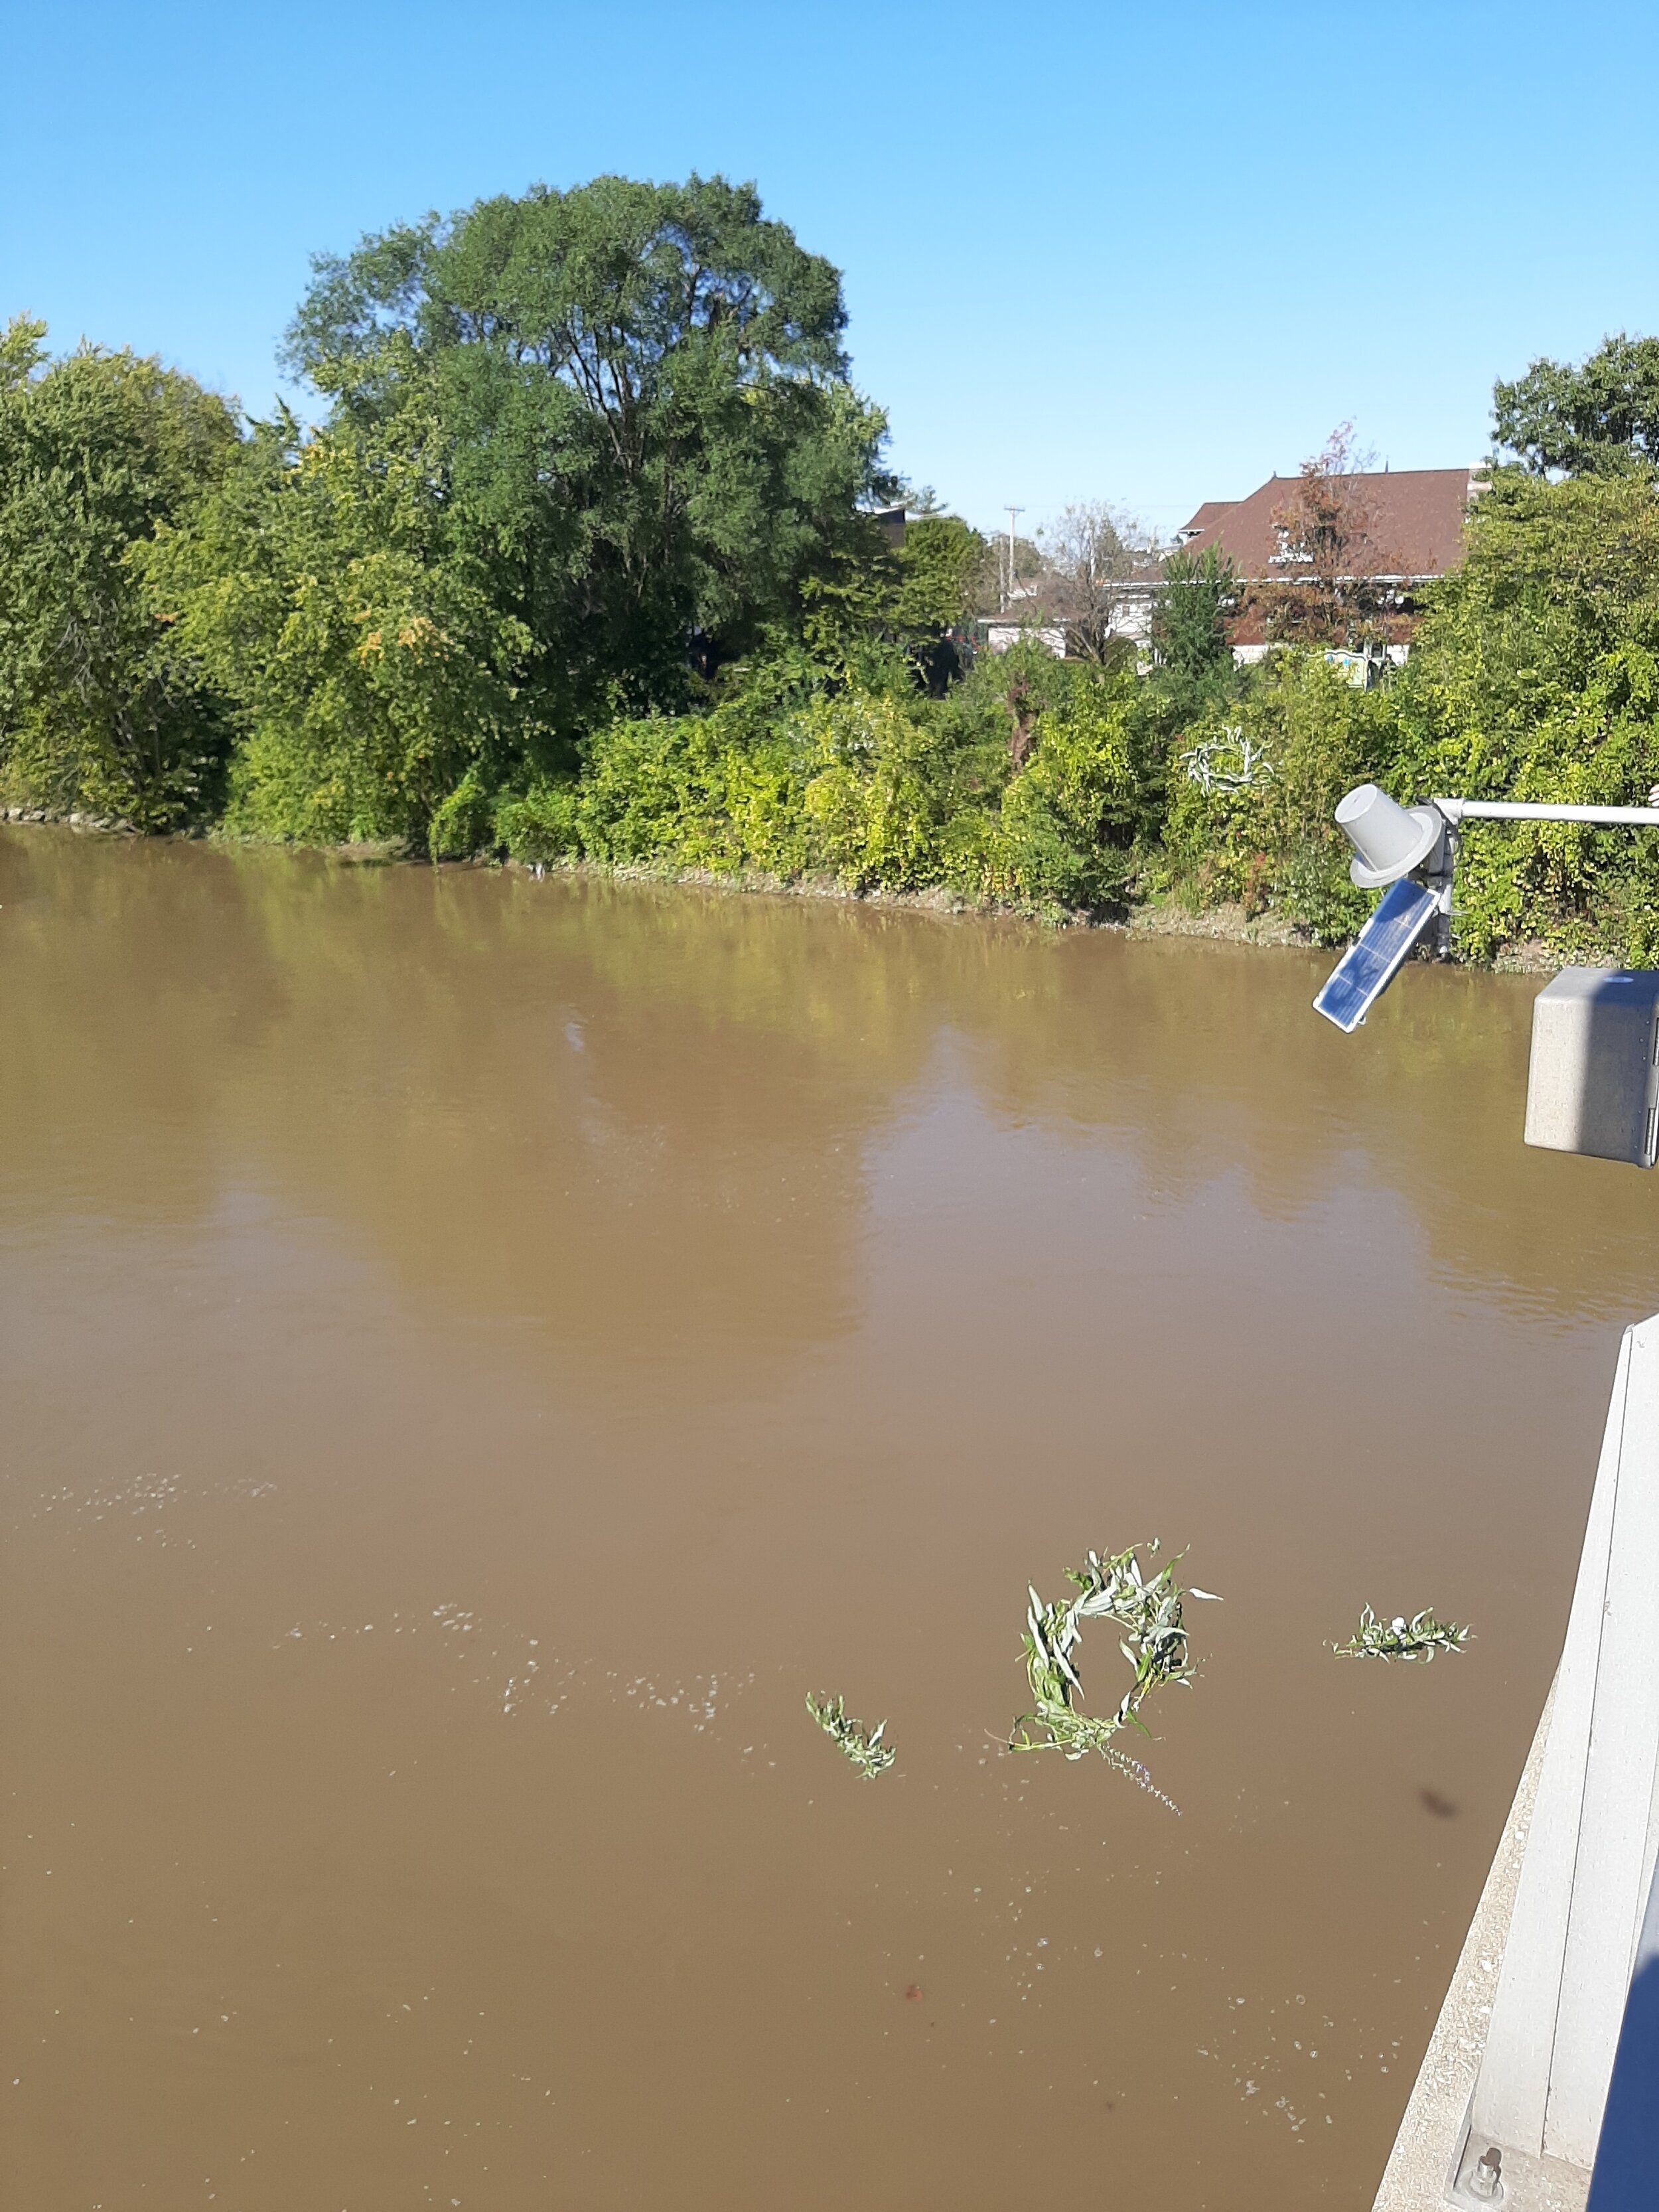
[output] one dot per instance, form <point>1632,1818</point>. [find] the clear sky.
<point>1145,253</point>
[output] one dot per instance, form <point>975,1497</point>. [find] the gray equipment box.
<point>1593,1086</point>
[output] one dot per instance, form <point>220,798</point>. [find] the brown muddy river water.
<point>474,1353</point>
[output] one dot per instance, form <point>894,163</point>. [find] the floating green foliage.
<point>1420,1638</point>
<point>1154,1642</point>
<point>863,1746</point>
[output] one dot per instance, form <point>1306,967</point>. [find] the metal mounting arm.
<point>1505,810</point>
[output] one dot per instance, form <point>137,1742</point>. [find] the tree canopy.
<point>98,452</point>
<point>1599,418</point>
<point>1340,584</point>
<point>319,588</point>
<point>581,450</point>
<point>644,426</point>
<point>1091,552</point>
<point>1189,623</point>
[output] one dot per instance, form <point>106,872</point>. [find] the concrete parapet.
<point>1509,2104</point>
<point>1434,2132</point>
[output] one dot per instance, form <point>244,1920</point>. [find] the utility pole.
<point>1008,588</point>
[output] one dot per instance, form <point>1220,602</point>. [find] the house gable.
<point>1415,523</point>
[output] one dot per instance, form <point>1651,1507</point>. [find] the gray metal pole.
<point>1503,810</point>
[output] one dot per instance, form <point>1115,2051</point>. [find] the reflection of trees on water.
<point>522,1095</point>
<point>537,1104</point>
<point>1205,1060</point>
<point>133,977</point>
<point>639,1116</point>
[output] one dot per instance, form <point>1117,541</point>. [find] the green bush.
<point>878,795</point>
<point>880,789</point>
<point>1068,818</point>
<point>1254,786</point>
<point>705,792</point>
<point>316,590</point>
<point>1536,676</point>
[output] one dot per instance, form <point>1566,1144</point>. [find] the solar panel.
<point>1371,962</point>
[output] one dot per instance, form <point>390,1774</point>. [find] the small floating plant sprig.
<point>863,1746</point>
<point>1154,1642</point>
<point>1417,1639</point>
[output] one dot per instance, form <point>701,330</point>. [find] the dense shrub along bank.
<point>579,565</point>
<point>875,785</point>
<point>1061,786</point>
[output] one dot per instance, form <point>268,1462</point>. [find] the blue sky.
<point>1144,252</point>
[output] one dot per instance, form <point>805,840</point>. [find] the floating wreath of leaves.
<point>1420,1638</point>
<point>1154,1642</point>
<point>863,1746</point>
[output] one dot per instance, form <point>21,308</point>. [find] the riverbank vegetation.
<point>581,561</point>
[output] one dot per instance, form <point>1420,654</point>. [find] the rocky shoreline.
<point>113,825</point>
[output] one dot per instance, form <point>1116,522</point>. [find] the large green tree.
<point>1598,417</point>
<point>646,433</point>
<point>98,709</point>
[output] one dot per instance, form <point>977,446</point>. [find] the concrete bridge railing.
<point>1555,2002</point>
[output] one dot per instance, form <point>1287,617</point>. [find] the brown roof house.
<point>1333,558</point>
